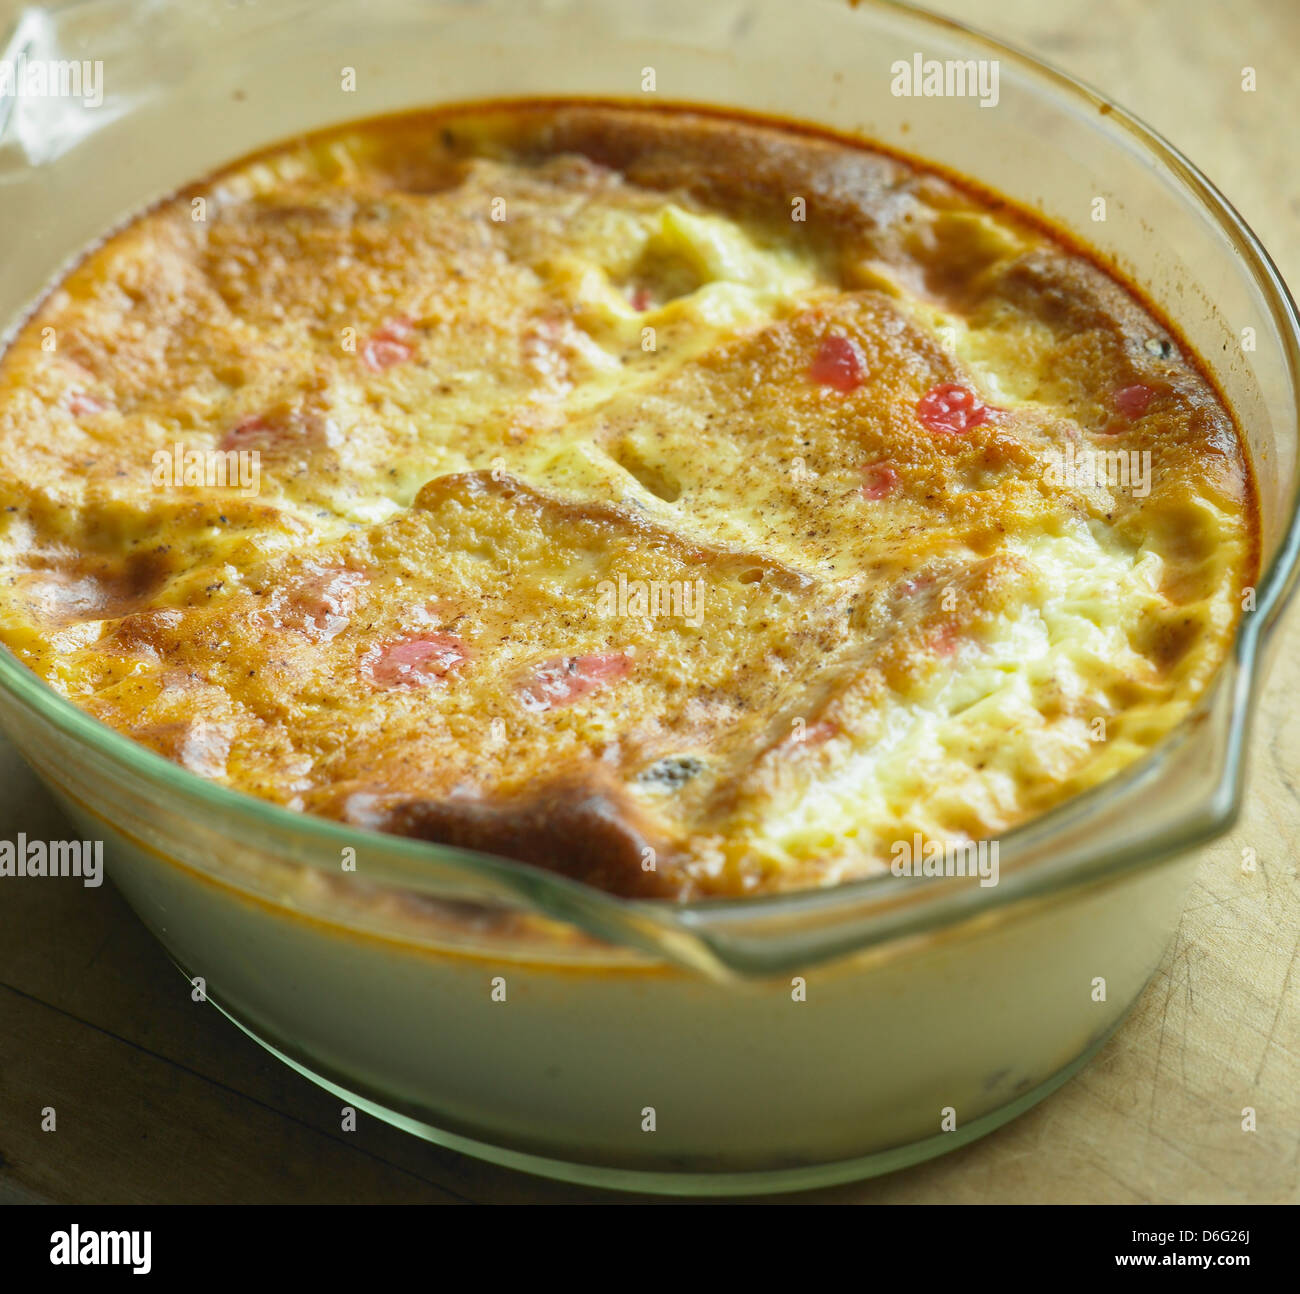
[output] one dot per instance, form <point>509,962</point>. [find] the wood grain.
<point>159,1098</point>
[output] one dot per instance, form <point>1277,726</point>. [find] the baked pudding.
<point>695,505</point>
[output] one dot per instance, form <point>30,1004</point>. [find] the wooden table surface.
<point>159,1099</point>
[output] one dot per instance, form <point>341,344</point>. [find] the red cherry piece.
<point>838,364</point>
<point>945,639</point>
<point>559,682</point>
<point>1132,401</point>
<point>388,346</point>
<point>879,481</point>
<point>950,408</point>
<point>81,404</point>
<point>252,433</point>
<point>320,603</point>
<point>414,660</point>
<point>382,353</point>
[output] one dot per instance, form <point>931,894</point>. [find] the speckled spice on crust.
<point>495,366</point>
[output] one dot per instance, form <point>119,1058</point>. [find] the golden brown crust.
<point>503,369</point>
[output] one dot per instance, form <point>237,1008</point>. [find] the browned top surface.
<point>498,366</point>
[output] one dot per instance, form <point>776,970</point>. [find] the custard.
<point>692,504</point>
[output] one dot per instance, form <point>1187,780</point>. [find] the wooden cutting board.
<point>160,1099</point>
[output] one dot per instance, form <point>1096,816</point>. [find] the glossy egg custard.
<point>695,505</point>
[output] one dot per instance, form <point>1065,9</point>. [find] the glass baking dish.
<point>723,1046</point>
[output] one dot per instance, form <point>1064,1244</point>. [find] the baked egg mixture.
<point>690,504</point>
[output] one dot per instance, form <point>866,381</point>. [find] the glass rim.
<point>561,894</point>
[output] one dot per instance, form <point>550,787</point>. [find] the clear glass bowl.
<point>743,1045</point>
